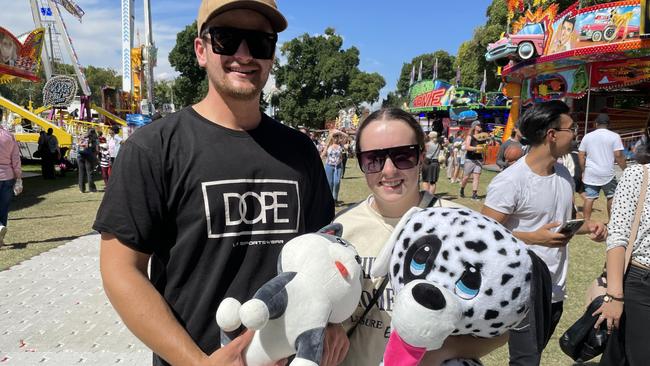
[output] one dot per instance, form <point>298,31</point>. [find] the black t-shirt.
<point>473,155</point>
<point>214,206</point>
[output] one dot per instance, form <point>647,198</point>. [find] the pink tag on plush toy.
<point>400,353</point>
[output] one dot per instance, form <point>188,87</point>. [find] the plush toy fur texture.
<point>318,282</point>
<point>455,272</point>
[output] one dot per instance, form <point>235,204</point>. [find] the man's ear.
<point>201,48</point>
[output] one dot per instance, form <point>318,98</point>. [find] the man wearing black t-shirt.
<point>210,195</point>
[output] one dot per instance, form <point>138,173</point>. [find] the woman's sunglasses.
<point>225,41</point>
<point>403,157</point>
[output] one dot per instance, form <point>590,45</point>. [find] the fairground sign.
<point>59,91</point>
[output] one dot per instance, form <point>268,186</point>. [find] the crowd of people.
<point>95,152</point>
<point>200,257</point>
<point>175,238</point>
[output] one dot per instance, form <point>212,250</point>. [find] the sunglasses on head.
<point>403,157</point>
<point>225,41</point>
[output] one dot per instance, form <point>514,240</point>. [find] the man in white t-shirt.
<point>533,198</point>
<point>597,153</point>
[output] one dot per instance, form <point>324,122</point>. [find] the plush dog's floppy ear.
<point>381,264</point>
<point>334,229</point>
<point>541,291</point>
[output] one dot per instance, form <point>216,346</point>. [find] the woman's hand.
<point>336,345</point>
<point>597,230</point>
<point>611,313</point>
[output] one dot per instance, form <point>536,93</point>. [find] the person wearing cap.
<point>598,151</point>
<point>208,196</point>
<point>473,160</point>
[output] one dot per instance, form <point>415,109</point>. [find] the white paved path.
<point>53,311</point>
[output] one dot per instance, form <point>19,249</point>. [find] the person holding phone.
<point>533,198</point>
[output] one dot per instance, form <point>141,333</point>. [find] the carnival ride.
<point>591,57</point>
<point>455,105</point>
<point>50,45</point>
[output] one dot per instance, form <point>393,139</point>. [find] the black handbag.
<point>582,341</point>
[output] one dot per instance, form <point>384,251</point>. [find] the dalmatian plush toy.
<point>457,272</point>
<point>318,282</point>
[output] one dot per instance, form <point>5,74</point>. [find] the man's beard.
<point>223,86</point>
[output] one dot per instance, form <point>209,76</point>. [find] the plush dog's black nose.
<point>428,296</point>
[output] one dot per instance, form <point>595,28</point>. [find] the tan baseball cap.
<point>268,8</point>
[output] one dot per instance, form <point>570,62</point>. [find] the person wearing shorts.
<point>598,151</point>
<point>592,192</point>
<point>473,160</point>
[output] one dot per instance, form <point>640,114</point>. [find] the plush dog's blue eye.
<point>468,285</point>
<point>419,260</point>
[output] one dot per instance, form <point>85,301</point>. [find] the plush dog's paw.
<point>254,314</point>
<point>228,314</point>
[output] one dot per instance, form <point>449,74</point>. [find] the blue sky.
<point>387,32</point>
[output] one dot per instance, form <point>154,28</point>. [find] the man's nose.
<point>243,52</point>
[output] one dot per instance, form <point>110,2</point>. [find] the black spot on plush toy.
<point>457,272</point>
<point>318,282</point>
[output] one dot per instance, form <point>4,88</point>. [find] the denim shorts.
<point>593,192</point>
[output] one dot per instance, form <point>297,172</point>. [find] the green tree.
<point>393,100</point>
<point>446,69</point>
<point>97,78</point>
<point>319,78</point>
<point>21,91</point>
<point>162,91</point>
<point>183,59</point>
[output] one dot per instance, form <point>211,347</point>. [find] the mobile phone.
<point>571,227</point>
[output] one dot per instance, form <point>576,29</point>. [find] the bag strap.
<point>637,217</point>
<point>372,303</point>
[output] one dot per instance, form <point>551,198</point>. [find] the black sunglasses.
<point>225,41</point>
<point>403,157</point>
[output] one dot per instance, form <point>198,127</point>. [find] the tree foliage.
<point>98,78</point>
<point>191,86</point>
<point>319,78</point>
<point>446,69</point>
<point>446,72</point>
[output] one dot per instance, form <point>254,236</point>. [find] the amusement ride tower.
<point>58,46</point>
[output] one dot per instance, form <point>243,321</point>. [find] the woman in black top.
<point>473,160</point>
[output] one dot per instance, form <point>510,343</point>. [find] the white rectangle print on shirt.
<point>251,207</point>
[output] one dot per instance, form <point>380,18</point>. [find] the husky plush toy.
<point>455,271</point>
<point>318,282</point>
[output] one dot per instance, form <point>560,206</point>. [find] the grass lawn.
<point>47,214</point>
<point>51,213</point>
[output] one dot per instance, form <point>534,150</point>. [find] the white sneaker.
<point>3,232</point>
